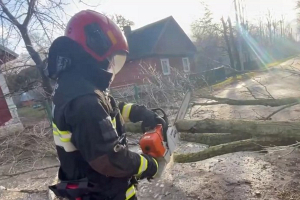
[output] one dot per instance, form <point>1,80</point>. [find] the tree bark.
<point>254,144</point>
<point>37,59</point>
<point>227,43</point>
<point>212,139</point>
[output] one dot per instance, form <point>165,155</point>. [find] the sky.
<point>143,12</point>
<point>185,12</point>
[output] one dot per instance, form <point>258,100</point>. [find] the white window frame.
<point>168,67</point>
<point>186,68</point>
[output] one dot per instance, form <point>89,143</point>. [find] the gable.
<point>142,41</point>
<point>174,41</point>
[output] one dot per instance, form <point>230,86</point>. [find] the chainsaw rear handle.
<point>164,116</point>
<point>163,120</point>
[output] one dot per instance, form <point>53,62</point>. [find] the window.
<point>186,64</point>
<point>165,66</point>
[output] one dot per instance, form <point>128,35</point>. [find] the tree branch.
<point>253,144</point>
<point>27,191</point>
<point>9,15</point>
<point>30,12</point>
<point>284,107</point>
<point>30,170</point>
<point>3,17</point>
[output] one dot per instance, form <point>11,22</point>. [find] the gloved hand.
<point>149,120</point>
<point>152,168</point>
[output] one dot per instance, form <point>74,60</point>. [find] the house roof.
<point>6,50</point>
<point>142,41</point>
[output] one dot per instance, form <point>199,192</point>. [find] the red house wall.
<point>5,115</point>
<point>133,72</point>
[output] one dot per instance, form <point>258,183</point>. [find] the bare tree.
<point>121,21</point>
<point>208,37</point>
<point>225,32</point>
<point>22,18</point>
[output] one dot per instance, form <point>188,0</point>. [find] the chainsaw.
<point>162,141</point>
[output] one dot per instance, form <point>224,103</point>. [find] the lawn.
<point>31,113</point>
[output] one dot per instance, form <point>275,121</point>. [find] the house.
<point>8,110</point>
<point>162,45</point>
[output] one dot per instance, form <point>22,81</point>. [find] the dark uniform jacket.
<point>88,128</point>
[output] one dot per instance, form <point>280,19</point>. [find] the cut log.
<point>253,128</point>
<point>254,144</point>
<point>213,138</point>
<point>262,102</point>
<point>133,127</point>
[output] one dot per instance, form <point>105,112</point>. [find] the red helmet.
<point>100,37</point>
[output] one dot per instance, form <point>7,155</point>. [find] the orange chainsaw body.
<point>152,143</point>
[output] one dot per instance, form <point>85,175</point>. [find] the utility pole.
<point>239,34</point>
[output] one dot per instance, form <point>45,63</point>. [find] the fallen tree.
<point>239,127</point>
<point>228,136</point>
<point>262,102</point>
<point>253,144</point>
<point>253,128</point>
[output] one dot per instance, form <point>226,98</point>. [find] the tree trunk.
<point>262,102</point>
<point>236,52</point>
<point>238,127</point>
<point>227,44</point>
<point>253,128</point>
<point>212,139</point>
<point>37,59</point>
<point>254,144</point>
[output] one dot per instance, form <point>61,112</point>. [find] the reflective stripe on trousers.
<point>143,165</point>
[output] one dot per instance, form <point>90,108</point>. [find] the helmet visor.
<point>116,62</point>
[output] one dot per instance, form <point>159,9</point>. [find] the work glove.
<point>149,120</point>
<point>152,168</point>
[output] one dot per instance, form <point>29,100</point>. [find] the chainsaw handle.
<point>165,117</point>
<point>163,120</point>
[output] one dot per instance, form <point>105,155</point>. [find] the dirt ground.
<point>245,175</point>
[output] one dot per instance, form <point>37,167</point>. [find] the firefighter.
<point>88,124</point>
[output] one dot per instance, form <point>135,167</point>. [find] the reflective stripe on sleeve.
<point>130,192</point>
<point>126,111</point>
<point>60,132</point>
<point>63,139</point>
<point>67,146</point>
<point>143,165</point>
<point>114,123</point>
<point>156,166</point>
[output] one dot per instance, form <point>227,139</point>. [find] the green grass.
<point>29,112</point>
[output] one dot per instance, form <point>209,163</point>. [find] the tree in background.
<point>121,21</point>
<point>24,19</point>
<point>262,42</point>
<point>298,19</point>
<point>26,72</point>
<point>208,40</point>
